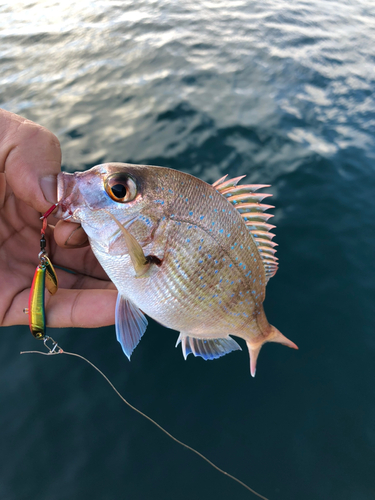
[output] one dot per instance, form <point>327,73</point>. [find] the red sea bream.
<point>195,257</point>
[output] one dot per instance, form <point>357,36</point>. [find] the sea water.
<point>280,91</point>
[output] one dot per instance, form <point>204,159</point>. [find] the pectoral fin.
<point>131,324</point>
<point>207,348</point>
<point>140,262</point>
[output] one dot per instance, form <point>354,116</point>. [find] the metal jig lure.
<point>44,277</point>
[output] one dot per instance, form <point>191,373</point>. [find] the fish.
<point>193,256</point>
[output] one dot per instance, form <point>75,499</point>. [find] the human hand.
<point>30,159</point>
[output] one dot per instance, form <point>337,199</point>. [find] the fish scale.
<point>212,285</point>
<point>181,251</point>
<point>223,227</point>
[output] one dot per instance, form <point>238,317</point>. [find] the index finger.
<point>30,156</point>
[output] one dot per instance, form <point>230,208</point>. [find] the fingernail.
<point>48,185</point>
<point>77,238</point>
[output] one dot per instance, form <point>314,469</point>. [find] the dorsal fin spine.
<point>267,243</point>
<point>217,183</point>
<point>254,207</point>
<point>262,234</point>
<point>264,249</point>
<point>248,204</point>
<point>247,196</point>
<point>257,216</point>
<point>223,184</point>
<point>242,188</point>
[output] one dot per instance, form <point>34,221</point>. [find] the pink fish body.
<point>194,257</point>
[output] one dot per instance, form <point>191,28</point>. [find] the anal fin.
<point>211,348</point>
<point>130,324</point>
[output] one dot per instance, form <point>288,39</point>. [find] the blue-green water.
<point>284,93</point>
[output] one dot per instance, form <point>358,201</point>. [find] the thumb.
<point>30,156</point>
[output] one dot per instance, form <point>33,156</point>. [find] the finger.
<point>81,308</point>
<point>80,260</point>
<point>69,308</point>
<point>69,279</point>
<point>70,235</point>
<point>30,156</point>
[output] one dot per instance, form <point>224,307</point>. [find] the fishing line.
<point>57,350</point>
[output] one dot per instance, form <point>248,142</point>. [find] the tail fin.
<point>254,347</point>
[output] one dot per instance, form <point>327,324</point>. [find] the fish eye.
<point>118,191</point>
<point>120,188</point>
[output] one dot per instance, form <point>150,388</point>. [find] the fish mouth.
<point>68,196</point>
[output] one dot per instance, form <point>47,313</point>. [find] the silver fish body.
<point>200,269</point>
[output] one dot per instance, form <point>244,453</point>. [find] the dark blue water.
<point>284,93</point>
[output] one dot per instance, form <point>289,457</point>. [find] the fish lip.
<point>67,196</point>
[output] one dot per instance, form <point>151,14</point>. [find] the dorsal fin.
<point>220,180</point>
<point>222,184</point>
<point>247,202</point>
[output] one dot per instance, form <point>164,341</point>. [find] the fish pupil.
<point>118,190</point>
